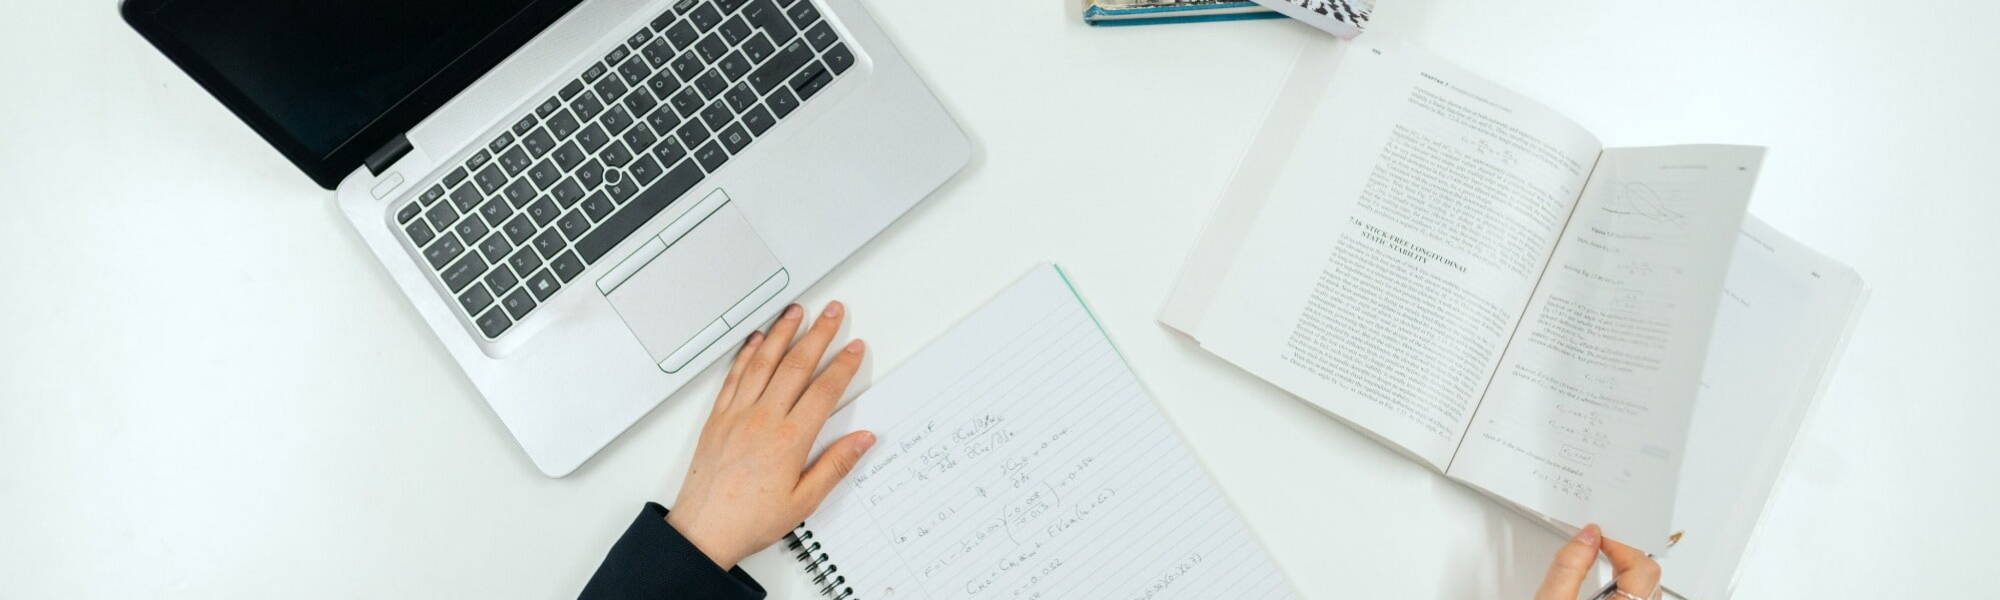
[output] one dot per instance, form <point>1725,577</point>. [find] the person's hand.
<point>749,484</point>
<point>1637,575</point>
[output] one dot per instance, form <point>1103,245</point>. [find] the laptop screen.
<point>314,75</point>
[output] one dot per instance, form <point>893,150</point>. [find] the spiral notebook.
<point>1019,457</point>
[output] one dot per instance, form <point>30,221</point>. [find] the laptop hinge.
<point>388,154</point>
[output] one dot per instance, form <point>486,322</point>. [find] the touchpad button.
<point>693,282</point>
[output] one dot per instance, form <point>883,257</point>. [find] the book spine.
<point>818,564</point>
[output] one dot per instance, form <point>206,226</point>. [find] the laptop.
<point>588,201</point>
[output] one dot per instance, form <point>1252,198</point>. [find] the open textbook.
<point>1479,283</point>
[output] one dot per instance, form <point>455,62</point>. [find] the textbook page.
<point>1785,314</point>
<point>1398,246</point>
<point>1587,414</point>
<point>1017,456</point>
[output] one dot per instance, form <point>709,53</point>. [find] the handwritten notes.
<point>1019,458</point>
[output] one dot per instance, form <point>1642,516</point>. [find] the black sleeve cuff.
<point>652,560</point>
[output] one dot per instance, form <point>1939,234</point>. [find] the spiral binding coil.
<point>824,573</point>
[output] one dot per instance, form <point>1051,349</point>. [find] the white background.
<point>209,389</point>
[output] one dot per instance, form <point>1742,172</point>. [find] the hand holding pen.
<point>1635,576</point>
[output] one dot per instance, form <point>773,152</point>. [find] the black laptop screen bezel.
<point>327,170</point>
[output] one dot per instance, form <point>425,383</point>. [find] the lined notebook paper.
<point>1018,457</point>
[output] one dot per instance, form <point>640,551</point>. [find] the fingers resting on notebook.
<point>749,483</point>
<point>1637,574</point>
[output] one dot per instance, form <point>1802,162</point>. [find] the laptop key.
<point>740,97</point>
<point>500,143</point>
<point>596,206</point>
<point>615,155</point>
<point>568,156</point>
<point>465,197</point>
<point>513,161</point>
<point>493,323</point>
<point>788,59</point>
<point>758,48</point>
<point>567,192</point>
<point>765,15</point>
<point>518,229</point>
<point>710,84</point>
<point>634,71</point>
<point>562,125</point>
<point>495,210</point>
<point>682,35</point>
<point>734,138</point>
<point>477,160</point>
<point>662,84</point>
<point>640,102</point>
<point>591,174</point>
<point>711,156</point>
<point>839,58</point>
<point>543,210</point>
<point>735,30</point>
<point>419,233</point>
<point>734,66</point>
<point>666,18</point>
<point>548,243</point>
<point>638,139</point>
<point>810,80</point>
<point>687,66</point>
<point>803,14</point>
<point>519,193</point>
<point>692,133</point>
<point>524,260</point>
<point>711,48</point>
<point>663,121</point>
<point>470,228</point>
<point>616,119</point>
<point>464,272</point>
<point>643,207</point>
<point>571,89</point>
<point>501,278</point>
<point>543,284</point>
<point>645,169</point>
<point>592,137</point>
<point>544,174</point>
<point>619,187</point>
<point>687,102</point>
<point>567,266</point>
<point>538,142</point>
<point>518,303</point>
<point>717,115</point>
<point>489,179</point>
<point>441,252</point>
<point>547,107</point>
<point>616,55</point>
<point>475,299</point>
<point>821,36</point>
<point>573,225</point>
<point>729,6</point>
<point>657,53</point>
<point>441,216</point>
<point>782,102</point>
<point>456,175</point>
<point>639,38</point>
<point>409,211</point>
<point>586,106</point>
<point>432,195</point>
<point>495,248</point>
<point>610,87</point>
<point>758,120</point>
<point>522,126</point>
<point>670,151</point>
<point>704,17</point>
<point>595,71</point>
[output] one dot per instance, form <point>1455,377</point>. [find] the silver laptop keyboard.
<point>555,191</point>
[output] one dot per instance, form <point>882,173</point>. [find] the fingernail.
<point>793,311</point>
<point>832,309</point>
<point>867,440</point>
<point>756,336</point>
<point>1589,535</point>
<point>854,347</point>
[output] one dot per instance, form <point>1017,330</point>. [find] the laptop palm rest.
<point>688,295</point>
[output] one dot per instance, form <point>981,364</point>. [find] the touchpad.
<point>682,294</point>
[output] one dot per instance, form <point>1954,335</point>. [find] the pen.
<point>1611,589</point>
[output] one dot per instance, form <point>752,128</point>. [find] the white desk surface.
<point>209,390</point>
